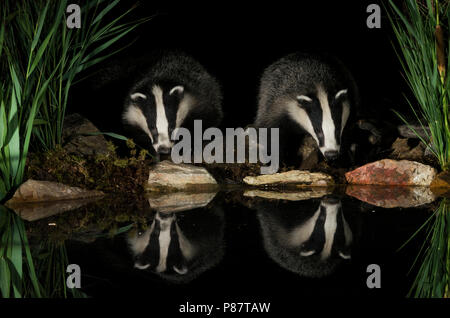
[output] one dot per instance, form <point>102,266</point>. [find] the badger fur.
<point>304,93</point>
<point>309,237</point>
<point>172,93</point>
<point>179,246</point>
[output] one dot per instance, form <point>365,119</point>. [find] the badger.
<point>308,237</point>
<point>179,246</point>
<point>307,94</point>
<point>174,91</point>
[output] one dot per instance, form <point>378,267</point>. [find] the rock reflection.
<point>179,246</point>
<point>309,238</point>
<point>304,194</point>
<point>391,196</point>
<point>179,201</point>
<point>40,210</point>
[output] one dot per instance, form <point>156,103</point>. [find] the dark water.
<point>240,259</point>
<point>238,247</point>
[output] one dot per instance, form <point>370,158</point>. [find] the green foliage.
<point>433,278</point>
<point>38,272</point>
<point>17,273</point>
<point>40,59</point>
<point>425,65</point>
<point>20,98</point>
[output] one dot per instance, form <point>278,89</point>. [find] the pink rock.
<point>391,196</point>
<point>392,172</point>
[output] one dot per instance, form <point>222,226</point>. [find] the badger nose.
<point>163,150</point>
<point>331,155</point>
<point>330,199</point>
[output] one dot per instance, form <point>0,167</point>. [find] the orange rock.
<point>392,172</point>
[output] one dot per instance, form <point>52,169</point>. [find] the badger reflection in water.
<point>179,246</point>
<point>308,237</point>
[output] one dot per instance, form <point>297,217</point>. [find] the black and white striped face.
<point>323,115</point>
<point>307,237</point>
<point>162,248</point>
<point>325,233</point>
<point>157,112</point>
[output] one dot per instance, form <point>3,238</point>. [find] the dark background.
<point>236,41</point>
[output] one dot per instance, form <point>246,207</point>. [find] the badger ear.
<point>136,96</point>
<point>177,90</point>
<point>307,252</point>
<point>182,271</point>
<point>340,93</point>
<point>345,255</point>
<point>304,98</point>
<point>140,266</point>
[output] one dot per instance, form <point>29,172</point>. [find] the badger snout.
<point>163,146</point>
<point>330,200</point>
<point>163,150</point>
<point>331,155</point>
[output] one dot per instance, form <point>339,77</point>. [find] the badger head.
<point>306,237</point>
<point>323,114</point>
<point>162,248</point>
<point>157,110</point>
<point>325,233</point>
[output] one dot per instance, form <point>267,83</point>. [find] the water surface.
<point>236,243</point>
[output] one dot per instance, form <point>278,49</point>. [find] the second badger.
<point>172,93</point>
<point>307,94</point>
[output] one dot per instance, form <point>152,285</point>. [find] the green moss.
<point>122,163</point>
<point>105,172</point>
<point>131,144</point>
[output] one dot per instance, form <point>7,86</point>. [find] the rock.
<point>33,191</point>
<point>293,177</point>
<point>179,201</point>
<point>39,210</point>
<point>315,192</point>
<point>402,150</point>
<point>309,153</point>
<point>167,175</point>
<point>441,184</point>
<point>392,172</point>
<point>406,131</point>
<point>35,200</point>
<point>75,140</point>
<point>391,196</point>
